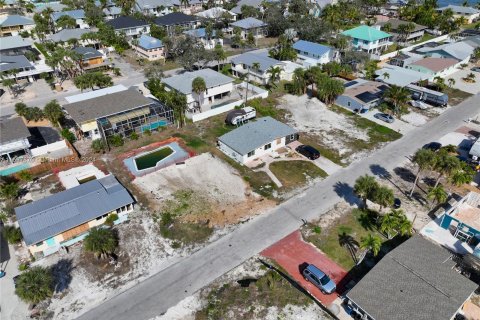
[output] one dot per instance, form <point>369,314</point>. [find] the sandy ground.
<point>415,118</point>
<point>210,178</point>
<point>312,116</point>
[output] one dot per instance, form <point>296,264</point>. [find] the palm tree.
<point>349,242</point>
<point>299,85</point>
<point>397,96</point>
<point>424,159</point>
<point>438,194</point>
<point>102,242</point>
<point>274,73</point>
<point>451,82</point>
<point>465,174</point>
<point>34,285</point>
<point>20,108</point>
<point>446,165</point>
<point>220,55</point>
<point>404,226</point>
<point>389,224</point>
<point>383,196</point>
<point>386,75</point>
<point>9,191</point>
<point>371,243</point>
<point>365,187</point>
<point>53,112</point>
<point>199,86</point>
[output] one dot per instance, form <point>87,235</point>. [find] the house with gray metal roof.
<point>402,77</point>
<point>256,139</point>
<point>416,280</point>
<point>250,25</point>
<point>14,24</point>
<point>116,111</point>
<point>69,34</point>
<point>15,45</point>
<point>77,15</point>
<point>310,54</point>
<point>469,13</point>
<point>19,63</point>
<point>244,63</point>
<point>218,86</point>
<point>13,138</point>
<point>65,218</point>
<point>209,41</point>
<point>461,51</point>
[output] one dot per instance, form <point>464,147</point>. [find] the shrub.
<point>68,135</point>
<point>98,145</point>
<point>317,229</point>
<point>12,234</point>
<point>147,132</point>
<point>116,140</point>
<point>35,285</point>
<point>111,219</point>
<point>25,175</point>
<point>134,136</point>
<point>22,266</point>
<point>101,242</point>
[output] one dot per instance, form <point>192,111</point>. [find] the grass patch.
<point>456,96</point>
<point>425,37</point>
<point>330,154</point>
<point>42,49</point>
<point>358,224</point>
<point>295,173</point>
<point>251,302</point>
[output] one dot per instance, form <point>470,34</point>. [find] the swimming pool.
<point>151,159</point>
<point>12,170</point>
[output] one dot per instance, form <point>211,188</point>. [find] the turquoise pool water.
<point>12,170</point>
<point>155,125</point>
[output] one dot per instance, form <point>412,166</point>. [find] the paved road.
<point>166,288</point>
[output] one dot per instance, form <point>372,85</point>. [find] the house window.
<point>251,154</point>
<point>348,103</point>
<point>267,146</point>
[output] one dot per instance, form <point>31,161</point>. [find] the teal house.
<point>369,39</point>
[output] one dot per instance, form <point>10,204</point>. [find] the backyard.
<point>296,173</point>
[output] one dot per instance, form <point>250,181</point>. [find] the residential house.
<point>15,45</point>
<point>369,39</point>
<point>26,70</point>
<point>149,48</point>
<point>470,14</point>
<point>208,42</point>
<point>65,218</point>
<point>91,58</point>
<point>402,59</point>
<point>115,110</point>
<point>462,220</point>
<point>243,65</point>
<point>256,139</point>
<point>416,280</point>
<point>190,7</point>
<point>14,138</point>
<point>14,24</point>
<point>361,95</point>
<point>400,35</point>
<point>130,26</point>
<point>435,67</point>
<point>217,14</point>
<point>316,6</point>
<point>54,6</point>
<point>250,25</point>
<point>156,8</point>
<point>251,3</point>
<point>402,77</point>
<point>461,51</point>
<point>78,15</point>
<point>67,35</point>
<point>218,86</point>
<point>175,20</point>
<point>311,54</point>
<point>473,41</point>
<point>112,12</point>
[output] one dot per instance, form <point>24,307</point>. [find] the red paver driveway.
<point>292,251</point>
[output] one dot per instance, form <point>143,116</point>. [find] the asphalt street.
<point>156,294</point>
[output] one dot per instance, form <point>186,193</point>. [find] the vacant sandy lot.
<point>211,179</point>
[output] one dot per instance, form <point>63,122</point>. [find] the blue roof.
<point>311,47</point>
<point>75,14</point>
<point>148,42</point>
<point>45,218</point>
<point>248,23</point>
<point>198,33</point>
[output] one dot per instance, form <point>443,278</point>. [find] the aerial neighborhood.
<point>240,159</point>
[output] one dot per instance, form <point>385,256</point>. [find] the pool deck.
<point>179,155</point>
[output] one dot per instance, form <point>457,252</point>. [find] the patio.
<point>443,237</point>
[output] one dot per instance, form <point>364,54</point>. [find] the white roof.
<point>95,94</point>
<point>399,76</point>
<point>215,13</point>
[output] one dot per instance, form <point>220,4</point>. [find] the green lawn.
<point>295,173</point>
<point>357,224</point>
<point>330,154</point>
<point>425,37</point>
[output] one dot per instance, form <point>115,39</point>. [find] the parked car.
<point>397,203</point>
<point>319,279</point>
<point>418,104</point>
<point>239,116</point>
<point>476,69</point>
<point>384,117</point>
<point>434,146</point>
<point>308,151</point>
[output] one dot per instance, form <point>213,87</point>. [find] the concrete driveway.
<point>398,125</point>
<point>292,254</point>
<point>323,163</point>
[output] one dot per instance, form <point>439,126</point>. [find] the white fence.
<point>259,93</point>
<point>407,49</point>
<point>49,148</point>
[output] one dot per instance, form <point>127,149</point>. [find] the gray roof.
<point>13,130</point>
<point>13,62</point>
<point>87,52</point>
<point>45,218</point>
<point>458,50</point>
<point>106,105</point>
<point>414,281</point>
<point>55,6</point>
<point>256,134</point>
<point>75,14</point>
<point>183,82</point>
<point>460,9</point>
<point>473,41</point>
<point>153,4</point>
<point>66,34</point>
<point>399,76</point>
<point>15,20</point>
<point>395,23</point>
<point>252,3</point>
<point>249,58</point>
<point>14,42</point>
<point>248,23</point>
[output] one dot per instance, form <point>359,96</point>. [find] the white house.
<point>245,64</point>
<point>77,15</point>
<point>217,13</point>
<point>469,13</point>
<point>130,26</point>
<point>311,54</point>
<point>209,42</point>
<point>218,87</point>
<point>13,138</point>
<point>256,139</point>
<point>156,8</point>
<point>369,39</point>
<point>250,25</point>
